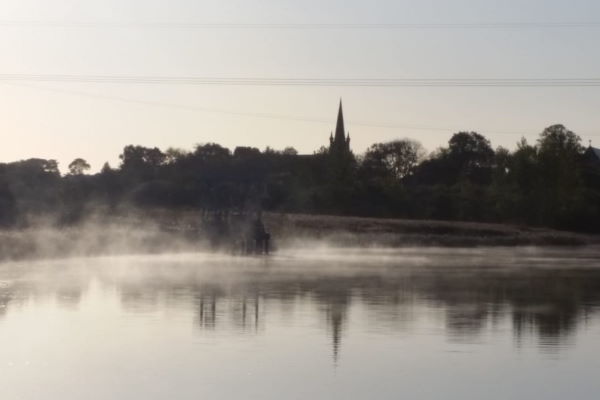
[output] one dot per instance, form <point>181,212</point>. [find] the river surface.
<point>307,324</point>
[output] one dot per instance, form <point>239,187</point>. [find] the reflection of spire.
<point>256,308</point>
<point>336,318</point>
<point>244,313</point>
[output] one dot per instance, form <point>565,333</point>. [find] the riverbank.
<point>166,231</point>
<point>357,231</point>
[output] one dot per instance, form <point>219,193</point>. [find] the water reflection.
<point>546,294</point>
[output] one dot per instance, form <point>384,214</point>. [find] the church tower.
<point>340,143</point>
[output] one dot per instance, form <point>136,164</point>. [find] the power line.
<point>300,26</point>
<point>220,111</point>
<point>269,116</point>
<point>338,82</point>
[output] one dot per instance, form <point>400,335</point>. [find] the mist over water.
<point>308,322</point>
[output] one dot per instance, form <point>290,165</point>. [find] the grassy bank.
<point>398,232</point>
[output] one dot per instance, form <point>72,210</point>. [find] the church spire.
<point>339,143</point>
<point>340,132</point>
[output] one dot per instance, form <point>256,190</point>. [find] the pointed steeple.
<point>339,143</point>
<point>340,132</point>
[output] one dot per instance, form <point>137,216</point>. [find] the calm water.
<point>315,324</point>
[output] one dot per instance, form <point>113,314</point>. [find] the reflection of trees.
<point>5,299</point>
<point>136,298</point>
<point>211,301</point>
<point>246,312</point>
<point>548,304</point>
<point>18,293</point>
<point>206,300</point>
<point>466,320</point>
<point>207,311</point>
<point>554,304</point>
<point>69,297</point>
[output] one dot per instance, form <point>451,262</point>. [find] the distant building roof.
<point>592,155</point>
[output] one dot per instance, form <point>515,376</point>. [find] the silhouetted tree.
<point>141,157</point>
<point>33,185</point>
<point>211,152</point>
<point>78,166</point>
<point>246,152</point>
<point>106,168</point>
<point>289,151</point>
<point>472,156</point>
<point>560,176</point>
<point>397,158</point>
<point>140,163</point>
<point>173,155</point>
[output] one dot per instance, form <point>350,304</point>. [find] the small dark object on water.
<point>239,232</point>
<point>261,237</point>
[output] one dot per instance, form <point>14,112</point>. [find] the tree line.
<point>551,182</point>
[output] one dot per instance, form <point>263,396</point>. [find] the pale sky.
<point>68,120</point>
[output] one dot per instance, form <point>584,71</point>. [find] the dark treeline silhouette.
<point>554,182</point>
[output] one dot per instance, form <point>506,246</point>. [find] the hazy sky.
<point>68,120</point>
